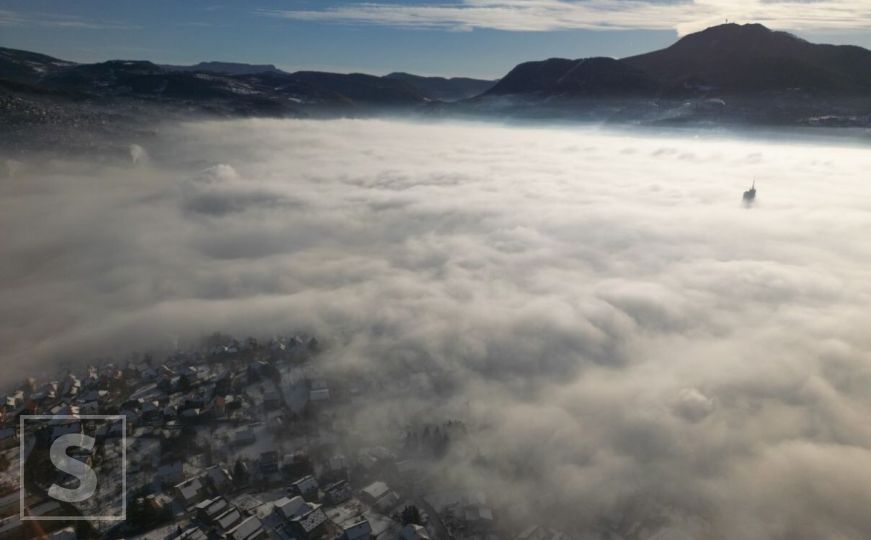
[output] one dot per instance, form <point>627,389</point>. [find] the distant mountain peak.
<point>442,88</point>
<point>737,27</point>
<point>739,36</point>
<point>226,68</point>
<point>749,59</point>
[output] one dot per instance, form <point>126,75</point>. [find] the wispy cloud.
<point>202,24</point>
<point>53,20</point>
<point>545,15</point>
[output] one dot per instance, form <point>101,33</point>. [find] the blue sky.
<point>483,38</point>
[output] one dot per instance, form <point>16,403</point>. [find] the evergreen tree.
<point>411,515</point>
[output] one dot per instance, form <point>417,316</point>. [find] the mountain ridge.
<point>728,59</point>
<point>728,73</point>
<point>223,80</point>
<point>224,68</point>
<point>445,88</point>
<point>736,58</point>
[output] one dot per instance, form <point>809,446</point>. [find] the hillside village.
<point>239,440</point>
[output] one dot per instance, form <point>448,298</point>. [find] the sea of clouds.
<point>639,354</point>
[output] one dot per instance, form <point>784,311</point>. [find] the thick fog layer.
<point>634,350</point>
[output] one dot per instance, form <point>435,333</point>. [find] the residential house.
<point>379,496</point>
<point>414,532</point>
<point>306,487</point>
<point>290,507</point>
<point>189,492</point>
<point>249,529</point>
<point>269,463</point>
<point>374,491</point>
<point>307,524</point>
<point>192,532</point>
<point>338,492</point>
<point>358,531</point>
<point>209,510</point>
<point>218,479</point>
<point>244,437</point>
<point>478,517</point>
<point>227,521</point>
